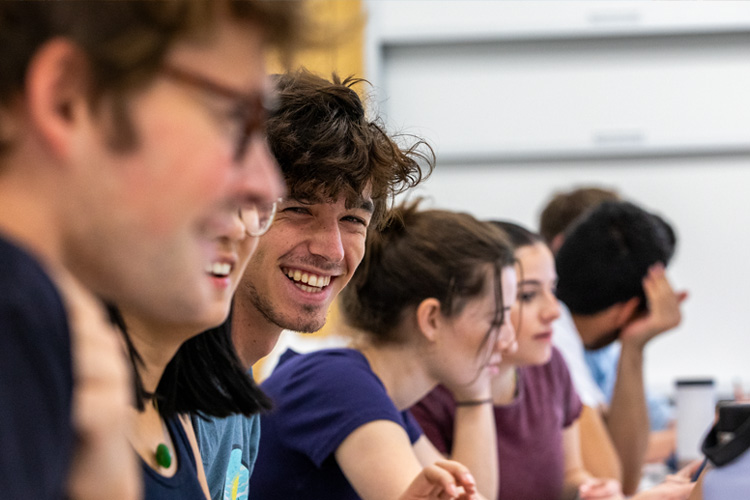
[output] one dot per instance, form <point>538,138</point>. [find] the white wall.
<point>521,100</point>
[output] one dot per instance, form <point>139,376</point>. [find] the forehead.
<point>217,53</point>
<point>535,258</point>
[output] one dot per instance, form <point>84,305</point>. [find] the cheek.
<point>355,251</point>
<point>185,168</point>
<point>515,316</point>
<point>527,321</point>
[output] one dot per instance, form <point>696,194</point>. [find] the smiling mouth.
<point>219,269</point>
<point>307,281</point>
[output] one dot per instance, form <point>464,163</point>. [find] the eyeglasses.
<point>258,217</point>
<point>251,110</point>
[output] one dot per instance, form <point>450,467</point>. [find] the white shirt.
<point>566,338</point>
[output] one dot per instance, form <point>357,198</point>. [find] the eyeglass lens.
<point>258,217</point>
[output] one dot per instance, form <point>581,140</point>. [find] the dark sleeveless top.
<point>184,485</point>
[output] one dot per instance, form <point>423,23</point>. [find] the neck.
<point>252,334</point>
<point>31,217</point>
<point>157,344</point>
<point>398,367</point>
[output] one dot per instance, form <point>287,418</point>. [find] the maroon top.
<point>529,429</point>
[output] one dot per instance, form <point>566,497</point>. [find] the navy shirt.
<point>320,398</point>
<point>184,485</point>
<point>36,380</point>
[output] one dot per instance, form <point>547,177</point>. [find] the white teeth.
<point>219,269</point>
<point>314,282</point>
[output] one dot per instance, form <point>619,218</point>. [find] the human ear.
<point>429,318</point>
<point>627,311</point>
<point>55,93</point>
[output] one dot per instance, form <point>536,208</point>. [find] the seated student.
<point>431,301</point>
<point>342,170</point>
<point>162,435</point>
<point>109,166</point>
<point>595,373</point>
<point>535,404</point>
<point>613,284</point>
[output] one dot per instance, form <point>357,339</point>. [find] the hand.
<point>663,309</point>
<point>445,480</point>
<point>103,459</point>
<point>667,490</point>
<point>676,486</point>
<point>600,489</point>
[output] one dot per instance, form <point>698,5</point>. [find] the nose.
<point>551,309</point>
<point>259,178</point>
<point>226,225</point>
<point>326,241</point>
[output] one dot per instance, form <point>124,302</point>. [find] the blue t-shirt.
<point>320,399</point>
<point>229,447</point>
<point>602,364</point>
<point>36,380</point>
<point>184,485</point>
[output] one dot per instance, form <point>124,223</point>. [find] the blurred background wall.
<point>521,99</point>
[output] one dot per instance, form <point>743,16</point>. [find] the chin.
<point>215,316</point>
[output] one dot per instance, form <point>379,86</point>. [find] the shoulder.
<point>318,368</point>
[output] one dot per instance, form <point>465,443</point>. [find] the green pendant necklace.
<point>163,455</point>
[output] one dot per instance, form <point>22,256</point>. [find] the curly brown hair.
<point>327,147</point>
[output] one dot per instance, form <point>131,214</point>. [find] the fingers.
<point>103,459</point>
<point>686,473</point>
<point>445,480</point>
<point>600,489</point>
<point>663,301</point>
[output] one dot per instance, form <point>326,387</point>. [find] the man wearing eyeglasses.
<point>341,171</point>
<point>129,131</point>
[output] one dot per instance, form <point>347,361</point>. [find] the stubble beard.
<point>308,321</point>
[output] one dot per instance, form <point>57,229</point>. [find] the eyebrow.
<point>367,205</point>
<point>530,282</point>
<point>534,282</point>
<point>362,203</point>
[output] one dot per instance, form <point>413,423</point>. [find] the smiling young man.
<point>128,134</point>
<point>341,171</point>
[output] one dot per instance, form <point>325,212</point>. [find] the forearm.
<point>475,446</point>
<point>597,450</point>
<point>627,419</point>
<point>661,444</point>
<point>573,480</point>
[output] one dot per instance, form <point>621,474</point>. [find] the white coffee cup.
<point>696,410</point>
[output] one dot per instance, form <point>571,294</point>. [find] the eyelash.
<point>356,220</point>
<point>349,218</point>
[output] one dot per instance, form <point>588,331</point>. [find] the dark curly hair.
<point>326,146</point>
